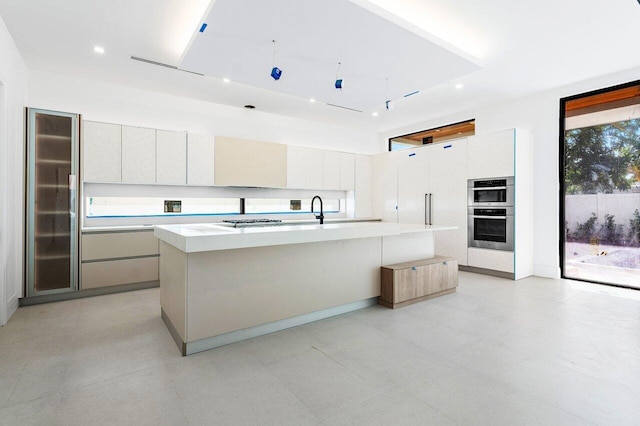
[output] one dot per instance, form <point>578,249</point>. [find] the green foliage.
<point>602,158</point>
<point>610,232</point>
<point>585,231</point>
<point>634,228</point>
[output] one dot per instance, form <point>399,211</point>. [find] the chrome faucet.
<point>321,215</point>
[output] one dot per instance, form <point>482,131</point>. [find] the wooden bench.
<point>410,282</point>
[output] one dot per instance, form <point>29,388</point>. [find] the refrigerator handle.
<point>426,209</point>
<point>430,209</point>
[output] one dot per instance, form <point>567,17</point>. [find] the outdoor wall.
<point>539,114</point>
<point>13,99</point>
<point>621,206</point>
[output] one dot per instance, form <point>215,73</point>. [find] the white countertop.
<point>199,237</point>
<point>129,228</point>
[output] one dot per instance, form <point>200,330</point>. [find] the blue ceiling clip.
<point>203,27</point>
<point>276,73</point>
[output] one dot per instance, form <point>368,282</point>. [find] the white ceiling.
<point>315,44</point>
<point>522,48</point>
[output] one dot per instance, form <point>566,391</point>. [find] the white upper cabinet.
<point>101,152</point>
<point>171,157</point>
<point>138,155</point>
<point>200,160</point>
<point>296,172</point>
<point>412,185</point>
<point>363,190</point>
<point>348,171</point>
<point>314,165</point>
<point>331,172</point>
<point>491,155</point>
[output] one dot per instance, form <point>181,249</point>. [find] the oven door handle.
<point>489,188</point>
<point>489,217</point>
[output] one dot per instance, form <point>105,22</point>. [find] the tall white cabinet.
<point>402,178</point>
<point>448,188</point>
<point>413,184</point>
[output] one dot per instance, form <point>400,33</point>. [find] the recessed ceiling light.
<point>226,80</point>
<point>375,114</point>
<point>459,86</point>
<point>98,49</point>
<point>312,100</point>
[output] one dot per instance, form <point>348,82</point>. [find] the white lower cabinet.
<point>116,258</point>
<point>495,260</point>
<point>118,272</point>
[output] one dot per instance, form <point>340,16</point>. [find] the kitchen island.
<point>220,284</point>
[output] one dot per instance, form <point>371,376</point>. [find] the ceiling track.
<point>160,64</point>
<point>344,107</point>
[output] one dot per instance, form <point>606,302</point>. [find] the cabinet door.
<point>296,174</point>
<point>363,189</point>
<point>138,155</point>
<point>331,170</point>
<point>347,171</point>
<point>101,152</point>
<point>491,155</point>
<point>171,157</point>
<point>385,186</point>
<point>412,185</point>
<point>314,165</point>
<point>200,160</point>
<point>242,162</point>
<point>448,185</point>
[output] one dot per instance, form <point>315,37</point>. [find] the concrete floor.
<point>497,352</point>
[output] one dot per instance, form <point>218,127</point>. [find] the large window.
<point>158,206</point>
<point>600,179</point>
<point>280,206</point>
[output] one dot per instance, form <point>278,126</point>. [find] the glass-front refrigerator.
<point>52,204</point>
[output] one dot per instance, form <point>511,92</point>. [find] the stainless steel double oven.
<point>490,213</point>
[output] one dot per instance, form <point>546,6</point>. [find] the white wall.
<point>539,114</point>
<point>13,79</point>
<point>100,101</point>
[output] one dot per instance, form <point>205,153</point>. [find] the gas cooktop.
<point>239,223</point>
